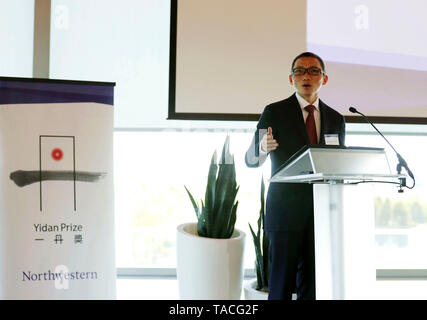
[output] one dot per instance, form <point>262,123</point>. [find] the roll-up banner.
<point>56,190</point>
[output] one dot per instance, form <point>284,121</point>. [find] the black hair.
<point>308,54</point>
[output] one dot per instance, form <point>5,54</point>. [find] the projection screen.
<point>230,58</point>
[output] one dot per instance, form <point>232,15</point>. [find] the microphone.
<point>401,161</point>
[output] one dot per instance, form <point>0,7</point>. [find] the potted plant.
<point>257,289</point>
<point>210,252</point>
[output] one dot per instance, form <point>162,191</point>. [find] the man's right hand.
<point>268,143</point>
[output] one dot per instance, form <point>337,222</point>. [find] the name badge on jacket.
<point>332,139</point>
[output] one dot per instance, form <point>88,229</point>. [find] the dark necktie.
<point>310,124</point>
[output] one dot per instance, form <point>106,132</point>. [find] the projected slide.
<point>376,59</point>
<point>233,57</point>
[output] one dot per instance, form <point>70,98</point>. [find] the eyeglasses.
<point>313,71</point>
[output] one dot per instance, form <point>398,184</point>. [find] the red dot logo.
<point>57,154</point>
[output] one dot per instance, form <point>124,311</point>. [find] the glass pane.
<point>400,218</point>
<point>151,169</point>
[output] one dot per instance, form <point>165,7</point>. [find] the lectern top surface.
<point>301,151</point>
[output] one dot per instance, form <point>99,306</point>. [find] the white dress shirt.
<point>303,103</point>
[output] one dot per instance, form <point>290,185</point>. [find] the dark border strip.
<point>63,81</point>
<point>172,61</point>
<point>214,116</point>
<point>255,117</point>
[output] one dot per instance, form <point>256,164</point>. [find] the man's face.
<point>307,85</point>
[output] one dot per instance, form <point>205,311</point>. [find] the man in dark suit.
<point>283,128</point>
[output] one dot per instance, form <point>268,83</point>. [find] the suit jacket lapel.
<point>323,122</point>
<point>299,119</point>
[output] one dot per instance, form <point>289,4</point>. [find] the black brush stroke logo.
<point>24,178</point>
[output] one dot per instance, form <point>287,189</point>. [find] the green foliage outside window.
<point>398,214</point>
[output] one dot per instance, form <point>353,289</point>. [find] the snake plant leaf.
<point>262,210</point>
<point>260,261</point>
<point>225,154</point>
<point>195,206</point>
<point>258,255</point>
<point>201,225</point>
<point>232,221</point>
<point>261,244</point>
<point>265,241</point>
<point>232,217</point>
<point>225,192</point>
<point>210,193</point>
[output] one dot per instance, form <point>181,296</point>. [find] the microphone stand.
<point>401,162</point>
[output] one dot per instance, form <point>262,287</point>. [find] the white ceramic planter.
<point>253,294</point>
<point>209,269</point>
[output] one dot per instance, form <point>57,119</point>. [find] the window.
<point>400,218</point>
<point>16,36</point>
<point>151,169</point>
